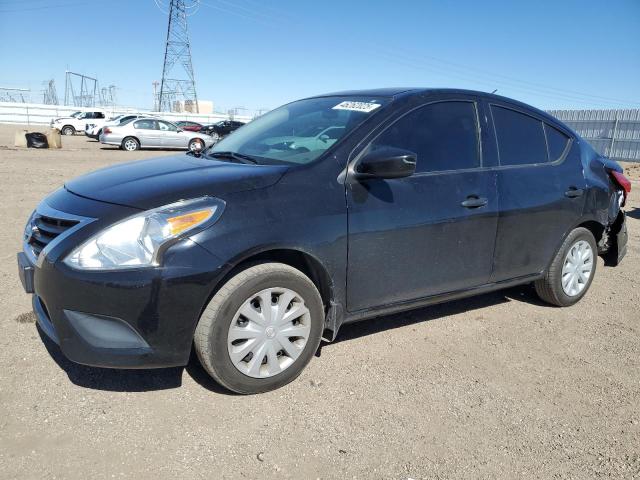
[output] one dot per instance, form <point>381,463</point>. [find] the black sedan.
<point>325,211</point>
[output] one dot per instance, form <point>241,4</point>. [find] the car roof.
<point>402,92</point>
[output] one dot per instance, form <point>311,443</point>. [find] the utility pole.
<point>177,52</point>
<point>156,106</point>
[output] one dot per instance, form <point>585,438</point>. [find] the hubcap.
<point>130,145</point>
<point>577,268</point>
<point>268,332</point>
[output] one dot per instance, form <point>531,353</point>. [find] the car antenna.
<point>495,91</point>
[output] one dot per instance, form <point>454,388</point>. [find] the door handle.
<point>574,192</point>
<point>473,201</point>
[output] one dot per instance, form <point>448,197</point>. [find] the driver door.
<point>430,233</point>
<point>170,137</point>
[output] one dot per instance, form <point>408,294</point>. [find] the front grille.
<point>44,229</point>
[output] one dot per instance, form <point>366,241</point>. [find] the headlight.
<point>138,240</point>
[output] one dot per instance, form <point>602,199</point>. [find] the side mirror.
<point>179,130</point>
<point>386,162</point>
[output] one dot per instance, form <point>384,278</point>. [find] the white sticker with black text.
<point>365,107</point>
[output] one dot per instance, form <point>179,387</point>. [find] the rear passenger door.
<point>540,188</point>
<point>432,232</point>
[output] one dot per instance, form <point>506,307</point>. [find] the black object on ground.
<point>36,140</point>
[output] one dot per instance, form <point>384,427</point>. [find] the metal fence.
<point>40,114</point>
<point>614,133</point>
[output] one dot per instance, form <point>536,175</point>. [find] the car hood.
<point>152,183</point>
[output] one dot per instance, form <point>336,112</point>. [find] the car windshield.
<point>75,114</point>
<point>298,133</point>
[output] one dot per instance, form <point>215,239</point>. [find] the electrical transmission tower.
<point>178,91</point>
<point>108,96</point>
<point>49,95</point>
<point>14,95</point>
<point>88,90</point>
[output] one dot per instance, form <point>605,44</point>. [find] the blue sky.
<point>262,53</point>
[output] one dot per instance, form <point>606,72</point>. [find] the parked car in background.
<point>149,132</point>
<point>94,131</point>
<point>189,126</point>
<point>77,123</point>
<point>222,128</point>
<point>256,248</point>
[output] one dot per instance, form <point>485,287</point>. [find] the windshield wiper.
<point>241,157</point>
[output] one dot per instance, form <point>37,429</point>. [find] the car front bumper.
<point>142,318</point>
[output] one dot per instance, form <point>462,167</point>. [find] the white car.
<point>94,131</point>
<point>78,121</point>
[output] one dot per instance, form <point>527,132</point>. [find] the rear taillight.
<point>106,130</point>
<point>623,182</point>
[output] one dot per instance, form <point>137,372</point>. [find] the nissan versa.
<point>324,211</point>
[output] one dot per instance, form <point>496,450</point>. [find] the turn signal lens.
<point>184,222</point>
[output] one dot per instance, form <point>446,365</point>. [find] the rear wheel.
<point>260,329</point>
<point>130,144</point>
<point>68,130</point>
<point>571,272</point>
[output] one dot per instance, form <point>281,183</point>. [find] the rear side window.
<point>556,142</point>
<point>146,125</point>
<point>520,137</point>
<point>444,136</point>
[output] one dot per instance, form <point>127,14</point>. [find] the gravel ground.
<point>497,386</point>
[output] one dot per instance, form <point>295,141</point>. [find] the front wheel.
<point>260,329</point>
<point>130,144</point>
<point>196,145</point>
<point>68,130</point>
<point>571,272</point>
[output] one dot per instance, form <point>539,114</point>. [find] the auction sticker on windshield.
<point>365,107</point>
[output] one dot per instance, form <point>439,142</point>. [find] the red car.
<point>190,126</point>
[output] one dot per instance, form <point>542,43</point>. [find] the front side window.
<point>167,127</point>
<point>520,137</point>
<point>443,135</point>
<point>146,125</point>
<point>300,132</point>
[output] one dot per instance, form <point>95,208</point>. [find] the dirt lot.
<point>498,386</point>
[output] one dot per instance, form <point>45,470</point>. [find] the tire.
<point>68,130</point>
<point>214,345</point>
<point>550,288</point>
<point>130,144</point>
<point>193,142</point>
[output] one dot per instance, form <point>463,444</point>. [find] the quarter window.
<point>556,142</point>
<point>443,135</point>
<point>520,137</point>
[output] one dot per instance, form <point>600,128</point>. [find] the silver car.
<point>153,133</point>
